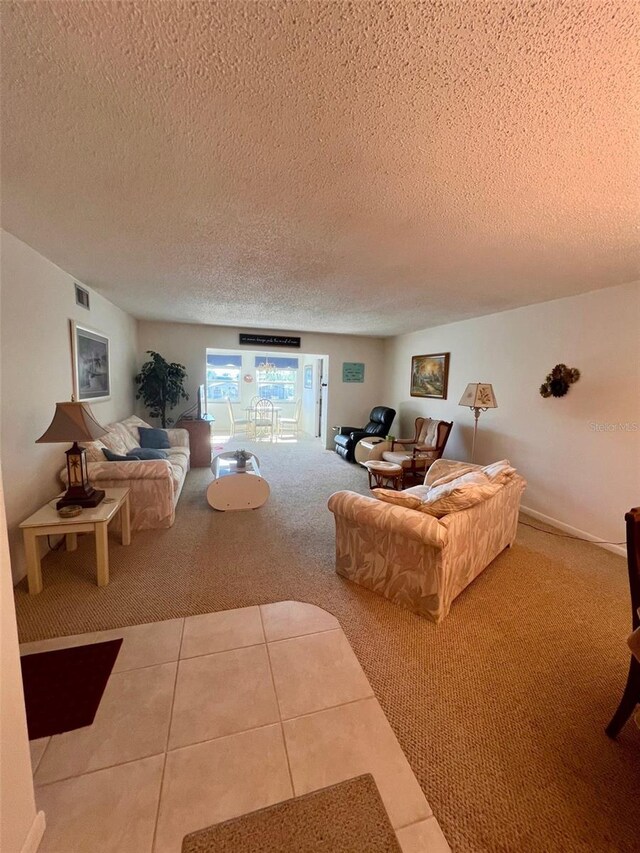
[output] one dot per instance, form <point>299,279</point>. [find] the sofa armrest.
<point>388,518</point>
<point>178,437</point>
<point>346,430</point>
<point>152,469</point>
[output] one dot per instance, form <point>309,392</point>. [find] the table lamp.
<point>75,422</point>
<point>479,397</point>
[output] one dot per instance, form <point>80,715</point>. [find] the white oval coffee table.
<point>235,488</point>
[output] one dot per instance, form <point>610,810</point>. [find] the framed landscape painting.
<point>91,364</point>
<point>430,375</point>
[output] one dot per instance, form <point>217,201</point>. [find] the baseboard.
<point>574,531</point>
<point>34,836</point>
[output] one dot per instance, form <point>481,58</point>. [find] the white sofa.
<point>419,561</point>
<point>155,484</point>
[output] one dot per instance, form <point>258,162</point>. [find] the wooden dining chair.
<point>631,694</point>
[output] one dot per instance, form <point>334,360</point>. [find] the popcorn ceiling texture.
<point>350,167</point>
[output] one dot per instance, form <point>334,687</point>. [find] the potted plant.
<point>161,386</point>
<point>241,459</point>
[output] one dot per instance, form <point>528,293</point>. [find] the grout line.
<point>221,737</point>
<point>273,682</point>
<point>96,770</point>
<point>166,745</point>
<point>221,651</point>
<point>310,634</point>
<point>333,707</point>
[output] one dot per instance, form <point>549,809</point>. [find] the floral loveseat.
<point>155,484</point>
<point>415,558</point>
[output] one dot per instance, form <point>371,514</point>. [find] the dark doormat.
<point>63,688</point>
<point>348,816</point>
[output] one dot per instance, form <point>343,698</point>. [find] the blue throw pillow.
<point>146,453</point>
<point>157,439</point>
<point>115,457</point>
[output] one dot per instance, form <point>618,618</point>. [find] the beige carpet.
<point>346,817</point>
<point>500,710</point>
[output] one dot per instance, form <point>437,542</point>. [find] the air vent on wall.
<point>82,296</point>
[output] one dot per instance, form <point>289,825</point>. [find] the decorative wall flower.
<point>559,380</point>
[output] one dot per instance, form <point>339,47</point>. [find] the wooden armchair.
<point>631,695</point>
<point>417,454</point>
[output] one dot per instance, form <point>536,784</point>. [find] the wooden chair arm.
<point>422,448</point>
<point>401,441</point>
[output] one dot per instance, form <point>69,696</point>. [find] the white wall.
<point>348,403</point>
<point>38,300</point>
<point>577,474</point>
<point>20,826</point>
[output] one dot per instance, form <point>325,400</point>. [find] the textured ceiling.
<point>356,167</point>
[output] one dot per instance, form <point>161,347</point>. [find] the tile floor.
<point>213,716</point>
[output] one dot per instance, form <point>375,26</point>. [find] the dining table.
<point>252,411</point>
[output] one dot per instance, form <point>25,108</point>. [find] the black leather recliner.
<point>380,421</point>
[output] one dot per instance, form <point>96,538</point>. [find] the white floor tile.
<point>315,672</point>
<point>221,694</point>
<point>286,619</point>
<point>213,781</point>
<point>218,632</point>
<point>423,837</point>
<point>330,746</point>
<point>132,722</point>
<point>143,645</point>
<point>109,811</point>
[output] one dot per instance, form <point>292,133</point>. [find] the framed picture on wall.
<point>91,364</point>
<point>430,375</point>
<point>308,376</point>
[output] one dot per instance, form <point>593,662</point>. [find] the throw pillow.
<point>156,439</point>
<point>94,450</point>
<point>115,457</point>
<point>147,453</point>
<point>466,491</point>
<point>499,472</point>
<point>391,496</point>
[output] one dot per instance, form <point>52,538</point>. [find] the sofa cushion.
<point>157,439</point>
<point>94,450</point>
<point>445,470</point>
<point>146,453</point>
<point>132,425</point>
<point>118,438</point>
<point>398,498</point>
<point>499,472</point>
<point>110,456</point>
<point>459,493</point>
<point>462,493</point>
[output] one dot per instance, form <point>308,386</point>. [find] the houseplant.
<point>161,386</point>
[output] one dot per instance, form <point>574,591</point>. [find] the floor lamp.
<point>479,397</point>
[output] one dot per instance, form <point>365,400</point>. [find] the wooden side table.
<point>384,475</point>
<point>199,441</point>
<point>47,522</point>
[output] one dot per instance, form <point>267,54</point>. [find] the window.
<point>223,377</point>
<point>277,378</point>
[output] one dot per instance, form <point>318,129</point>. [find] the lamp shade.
<point>72,422</point>
<point>479,395</point>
